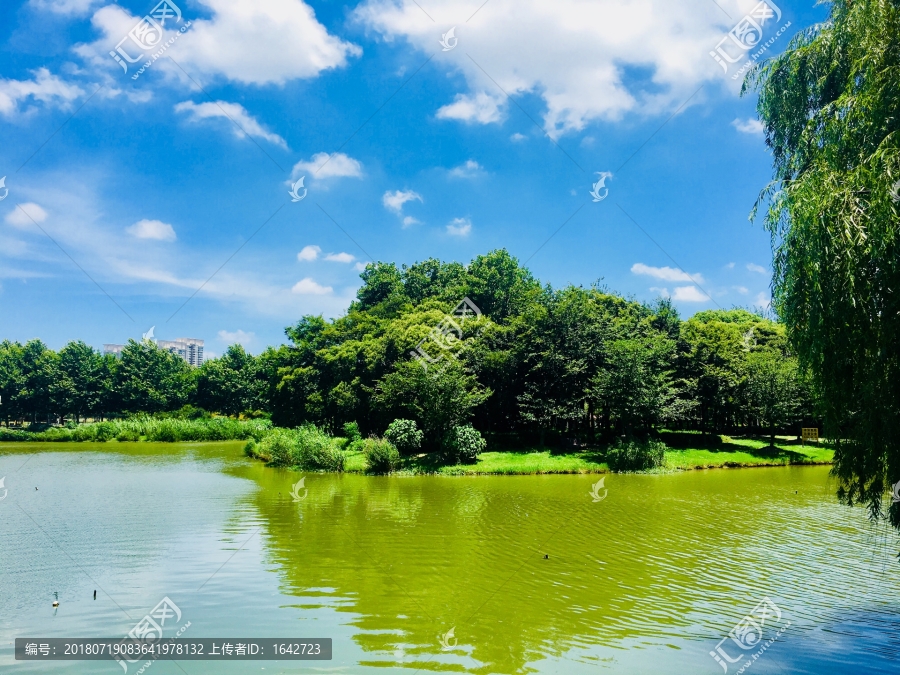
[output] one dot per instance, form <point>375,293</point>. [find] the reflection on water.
<point>530,573</point>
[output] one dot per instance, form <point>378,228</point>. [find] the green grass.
<point>740,452</point>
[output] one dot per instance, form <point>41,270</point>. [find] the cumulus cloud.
<point>340,257</point>
<point>32,214</point>
<point>241,122</point>
<point>759,269</point>
<point>236,337</point>
<point>763,300</point>
<point>320,166</point>
<point>360,266</point>
<point>516,137</point>
<point>729,266</point>
<point>69,7</point>
<point>228,44</point>
<point>579,57</point>
<point>481,108</point>
<point>394,201</point>
<point>748,126</point>
<point>743,290</point>
<point>309,287</point>
<point>44,87</point>
<point>409,220</point>
<point>310,252</point>
<point>152,229</point>
<point>459,227</point>
<point>469,169</point>
<point>689,294</point>
<point>665,273</point>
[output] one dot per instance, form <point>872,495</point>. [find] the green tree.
<point>437,399</point>
<point>829,108</point>
<point>772,389</point>
<point>229,384</point>
<point>150,379</point>
<point>80,386</point>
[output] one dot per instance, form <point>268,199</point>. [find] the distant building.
<point>115,350</point>
<point>190,349</point>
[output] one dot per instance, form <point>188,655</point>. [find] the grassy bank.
<point>145,429</point>
<point>689,454</point>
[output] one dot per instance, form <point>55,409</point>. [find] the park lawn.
<point>735,452</point>
<point>748,452</point>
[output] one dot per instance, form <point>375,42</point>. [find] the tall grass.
<point>308,447</point>
<point>148,429</point>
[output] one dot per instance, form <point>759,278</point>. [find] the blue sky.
<point>164,199</point>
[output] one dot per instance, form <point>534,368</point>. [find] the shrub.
<point>404,435</point>
<point>635,456</point>
<point>464,444</point>
<point>351,432</point>
<point>277,447</point>
<point>317,451</point>
<point>381,456</point>
<point>128,435</point>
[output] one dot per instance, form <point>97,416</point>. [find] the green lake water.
<point>648,579</point>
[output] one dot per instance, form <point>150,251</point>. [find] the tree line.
<point>516,358</point>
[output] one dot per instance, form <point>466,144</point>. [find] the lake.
<point>505,574</point>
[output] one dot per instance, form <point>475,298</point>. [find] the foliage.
<point>464,444</point>
<point>829,108</point>
<point>632,455</point>
<point>314,450</point>
<point>404,435</point>
<point>147,428</point>
<point>351,431</point>
<point>381,455</point>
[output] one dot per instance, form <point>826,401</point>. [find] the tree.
<point>150,379</point>
<point>80,386</point>
<point>772,389</point>
<point>229,384</point>
<point>38,369</point>
<point>829,108</point>
<point>438,400</point>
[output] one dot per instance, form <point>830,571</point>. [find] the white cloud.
<point>32,214</point>
<point>309,287</point>
<point>689,294</point>
<point>152,229</point>
<point>743,290</point>
<point>395,200</point>
<point>729,266</point>
<point>310,252</point>
<point>46,88</point>
<point>481,108</point>
<point>664,292</point>
<point>574,54</point>
<point>763,300</point>
<point>409,220</point>
<point>748,126</point>
<point>666,273</point>
<point>236,337</point>
<point>459,227</point>
<point>360,266</point>
<point>231,112</point>
<point>753,267</point>
<point>516,137</point>
<point>470,169</point>
<point>320,166</point>
<point>70,7</point>
<point>340,257</point>
<point>270,42</point>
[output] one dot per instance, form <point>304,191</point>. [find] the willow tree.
<point>830,107</point>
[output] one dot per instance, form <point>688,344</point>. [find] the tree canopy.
<point>830,108</point>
